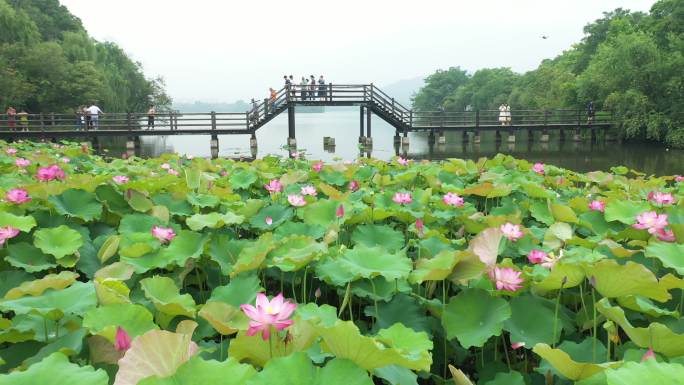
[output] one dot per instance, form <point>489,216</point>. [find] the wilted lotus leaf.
<point>486,245</point>
<point>156,353</point>
<point>56,369</point>
<point>225,318</point>
<point>38,286</point>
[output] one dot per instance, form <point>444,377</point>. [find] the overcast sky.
<point>224,50</point>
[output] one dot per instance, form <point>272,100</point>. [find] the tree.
<point>438,86</point>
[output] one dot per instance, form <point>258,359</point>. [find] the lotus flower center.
<point>270,309</point>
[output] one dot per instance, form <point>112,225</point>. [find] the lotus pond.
<point>289,271</point>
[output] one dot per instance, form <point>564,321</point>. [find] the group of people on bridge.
<point>308,87</point>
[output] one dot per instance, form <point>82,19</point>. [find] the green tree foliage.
<point>627,62</point>
<point>48,63</point>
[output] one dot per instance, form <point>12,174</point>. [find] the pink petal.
<point>250,311</point>
<point>261,301</point>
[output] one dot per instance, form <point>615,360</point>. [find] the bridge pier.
<point>431,136</point>
<point>562,135</point>
<point>511,136</point>
<point>132,146</point>
<point>577,137</point>
<point>544,136</point>
<point>361,122</point>
<point>291,138</point>
<point>498,136</point>
<point>214,146</point>
<point>593,134</point>
<point>253,141</point>
<point>465,137</point>
<point>369,137</point>
<point>476,137</point>
<point>441,139</point>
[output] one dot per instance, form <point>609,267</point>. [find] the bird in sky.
<point>544,37</point>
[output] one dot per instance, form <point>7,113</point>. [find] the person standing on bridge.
<point>23,120</point>
<point>502,114</point>
<point>94,113</point>
<point>305,86</point>
<point>321,88</point>
<point>312,87</point>
<point>591,112</point>
<point>293,92</point>
<point>508,114</point>
<point>11,118</point>
<point>272,100</point>
<point>151,113</point>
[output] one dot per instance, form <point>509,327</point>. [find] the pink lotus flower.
<point>511,231</point>
<point>537,256</point>
<point>339,213</point>
<point>165,166</point>
<point>11,151</point>
<point>661,198</point>
<point>173,172</point>
<point>269,221</point>
<point>49,173</point>
<point>538,168</point>
<point>65,160</point>
<point>648,355</point>
<point>7,232</point>
<point>420,227</point>
<point>452,199</point>
<point>120,179</point>
<point>517,345</point>
<point>353,185</point>
<point>318,293</point>
<point>296,200</point>
<point>122,341</point>
<point>597,206</point>
<point>402,161</point>
<point>21,162</point>
<point>506,278</point>
<point>679,178</point>
<point>294,155</point>
<point>309,190</point>
<point>224,173</point>
<point>274,186</point>
<point>402,198</point>
<point>17,196</point>
<point>267,314</point>
<point>317,166</point>
<point>163,234</point>
<point>665,235</point>
<point>651,221</point>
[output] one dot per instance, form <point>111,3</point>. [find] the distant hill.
<point>403,90</point>
<point>239,106</point>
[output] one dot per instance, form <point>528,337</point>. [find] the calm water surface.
<point>343,125</point>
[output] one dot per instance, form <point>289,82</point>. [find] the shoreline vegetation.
<point>627,62</point>
<point>189,270</point>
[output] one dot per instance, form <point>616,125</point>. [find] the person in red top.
<point>11,118</point>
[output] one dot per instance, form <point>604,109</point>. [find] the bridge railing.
<point>489,118</point>
<point>124,121</point>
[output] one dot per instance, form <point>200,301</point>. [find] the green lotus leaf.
<point>203,200</point>
<point>344,340</point>
<point>563,213</point>
<point>378,235</point>
<point>564,275</point>
<point>76,299</point>
<point>321,213</point>
<point>532,322</point>
<point>379,288</point>
<point>136,320</point>
<point>596,221</point>
<point>193,177</point>
<point>59,241</point>
<point>396,375</point>
<point>156,353</point>
<point>568,367</point>
<point>70,344</point>
<point>300,371</point>
<point>670,254</point>
<point>138,223</point>
<point>656,336</point>
<point>134,245</point>
<point>401,309</point>
<point>589,350</point>
<point>615,280</point>
<point>253,254</point>
<point>333,177</point>
<point>38,286</point>
<point>108,248</point>
<point>166,297</point>
<point>279,214</point>
<point>223,317</point>
<point>28,257</point>
<point>648,372</point>
<point>473,316</point>
<point>645,305</point>
<point>198,371</point>
<point>301,335</point>
<point>77,203</point>
<point>56,369</point>
<point>242,179</point>
<point>296,228</point>
<point>179,207</point>
<point>112,199</point>
<point>625,211</point>
<point>117,270</point>
<point>23,223</point>
<point>138,201</point>
<point>224,250</point>
<point>240,290</point>
<point>510,378</point>
<point>411,344</point>
<point>369,262</point>
<point>186,245</point>
<point>295,252</point>
<point>540,211</point>
<point>437,268</point>
<point>324,314</point>
<point>9,279</point>
<point>111,291</point>
<point>213,220</point>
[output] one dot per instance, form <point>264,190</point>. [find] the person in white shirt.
<point>94,113</point>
